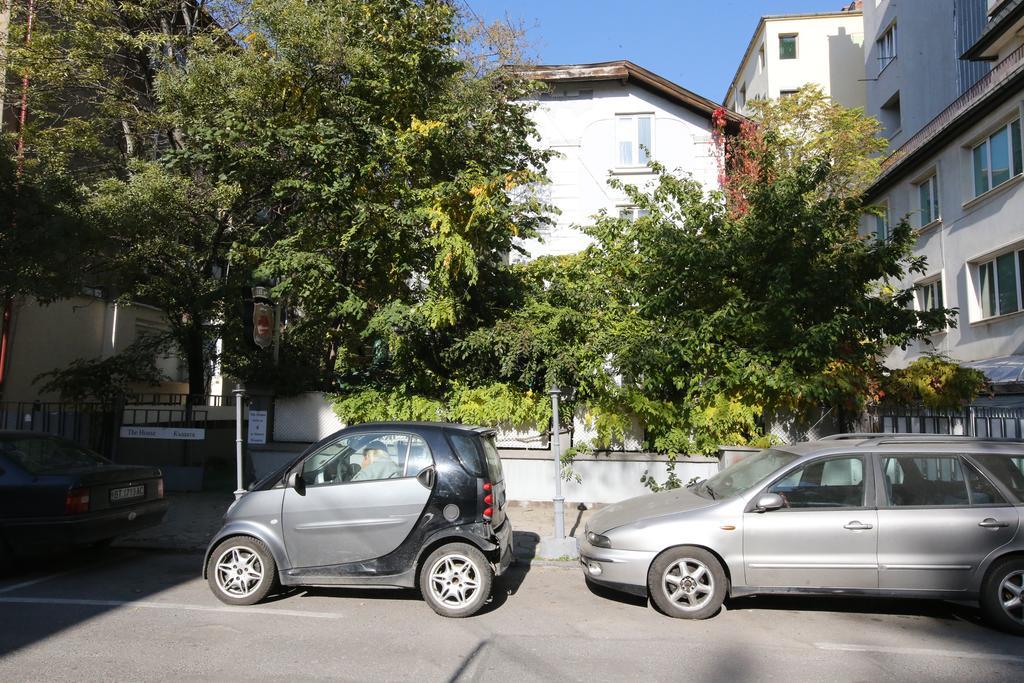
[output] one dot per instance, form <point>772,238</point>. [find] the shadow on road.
<point>935,609</point>
<point>103,580</point>
<point>616,596</point>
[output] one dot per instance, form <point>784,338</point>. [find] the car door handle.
<point>858,526</point>
<point>990,523</point>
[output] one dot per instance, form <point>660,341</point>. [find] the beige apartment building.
<point>790,51</point>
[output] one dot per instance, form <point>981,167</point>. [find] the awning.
<point>1000,370</point>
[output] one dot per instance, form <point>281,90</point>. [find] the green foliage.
<point>377,161</point>
<point>493,405</point>
<point>933,381</point>
<point>110,380</point>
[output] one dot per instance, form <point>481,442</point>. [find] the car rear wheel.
<point>1002,595</point>
<point>241,571</point>
<point>687,583</point>
<point>455,580</point>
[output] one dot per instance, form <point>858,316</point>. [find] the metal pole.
<point>556,435</point>
<point>239,393</point>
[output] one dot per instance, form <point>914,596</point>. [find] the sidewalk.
<point>193,519</point>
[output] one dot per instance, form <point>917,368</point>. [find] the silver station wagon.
<point>856,514</point>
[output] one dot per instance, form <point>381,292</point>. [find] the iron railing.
<point>982,421</point>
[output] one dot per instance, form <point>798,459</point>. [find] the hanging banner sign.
<point>173,433</point>
<point>262,324</point>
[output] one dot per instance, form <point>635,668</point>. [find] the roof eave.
<point>624,71</point>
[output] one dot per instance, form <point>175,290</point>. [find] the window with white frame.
<point>631,213</point>
<point>999,284</point>
<point>929,295</point>
<point>886,45</point>
<point>997,158</point>
<point>928,200</point>
<point>760,59</point>
<point>635,136</point>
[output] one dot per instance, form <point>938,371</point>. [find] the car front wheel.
<point>1002,595</point>
<point>456,580</point>
<point>687,583</point>
<point>241,571</point>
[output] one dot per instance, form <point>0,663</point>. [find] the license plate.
<point>127,493</point>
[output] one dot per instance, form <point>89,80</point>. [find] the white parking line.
<point>168,605</point>
<point>73,570</point>
<point>918,652</point>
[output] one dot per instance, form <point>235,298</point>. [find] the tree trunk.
<point>195,360</point>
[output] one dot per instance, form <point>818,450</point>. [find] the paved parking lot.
<point>143,615</point>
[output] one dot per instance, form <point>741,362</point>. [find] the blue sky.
<point>695,43</point>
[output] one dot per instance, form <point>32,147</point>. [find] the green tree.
<point>382,172</point>
<point>88,190</point>
<point>713,308</point>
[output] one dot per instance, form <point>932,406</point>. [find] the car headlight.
<point>598,540</point>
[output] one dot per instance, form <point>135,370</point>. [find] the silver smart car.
<point>855,514</point>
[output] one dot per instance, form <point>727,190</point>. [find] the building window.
<point>787,93</point>
<point>999,284</point>
<point>997,158</point>
<point>882,222</point>
<point>928,200</point>
<point>743,95</point>
<point>929,296</point>
<point>760,59</point>
<point>635,135</point>
<point>886,46</point>
<point>787,46</point>
<point>631,213</point>
<point>891,115</point>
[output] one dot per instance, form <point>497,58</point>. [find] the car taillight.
<point>488,501</point>
<point>77,501</point>
<point>159,488</point>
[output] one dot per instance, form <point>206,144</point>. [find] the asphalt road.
<point>137,615</point>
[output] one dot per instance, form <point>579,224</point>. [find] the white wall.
<point>581,128</point>
<point>924,72</point>
<point>607,479</point>
<point>830,54</point>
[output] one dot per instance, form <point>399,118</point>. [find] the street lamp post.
<point>239,393</point>
<point>556,436</point>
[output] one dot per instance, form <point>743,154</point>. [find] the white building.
<point>605,121</point>
<point>790,51</point>
<point>957,167</point>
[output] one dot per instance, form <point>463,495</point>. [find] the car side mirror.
<point>768,502</point>
<point>295,481</point>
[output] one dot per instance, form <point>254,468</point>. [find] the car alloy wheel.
<point>239,572</point>
<point>1011,595</point>
<point>454,581</point>
<point>688,584</point>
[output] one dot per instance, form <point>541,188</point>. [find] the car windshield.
<point>41,455</point>
<point>738,478</point>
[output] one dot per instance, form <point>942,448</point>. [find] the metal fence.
<point>981,421</point>
<point>89,424</point>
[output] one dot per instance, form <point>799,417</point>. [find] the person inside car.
<point>377,464</point>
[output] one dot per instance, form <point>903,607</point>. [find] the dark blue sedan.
<point>54,495</point>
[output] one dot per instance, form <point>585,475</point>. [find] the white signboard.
<point>257,426</point>
<point>178,433</point>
